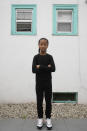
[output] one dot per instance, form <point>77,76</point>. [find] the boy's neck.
<point>42,53</point>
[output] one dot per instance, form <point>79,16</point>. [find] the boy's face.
<point>43,45</point>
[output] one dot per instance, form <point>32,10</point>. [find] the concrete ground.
<point>30,125</point>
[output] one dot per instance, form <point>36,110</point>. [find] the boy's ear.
<point>38,45</point>
<point>47,46</point>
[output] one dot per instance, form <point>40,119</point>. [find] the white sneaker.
<point>48,124</point>
<point>39,123</point>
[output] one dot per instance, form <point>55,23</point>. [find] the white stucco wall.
<point>17,82</point>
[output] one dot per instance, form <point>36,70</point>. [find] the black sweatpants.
<point>46,88</point>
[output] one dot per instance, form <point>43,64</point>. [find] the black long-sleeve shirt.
<point>43,72</point>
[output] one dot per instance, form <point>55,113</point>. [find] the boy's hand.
<point>37,66</point>
<point>49,65</point>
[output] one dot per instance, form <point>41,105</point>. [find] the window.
<point>24,19</point>
<point>65,19</point>
<point>65,97</point>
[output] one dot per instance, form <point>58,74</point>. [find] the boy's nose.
<point>43,46</point>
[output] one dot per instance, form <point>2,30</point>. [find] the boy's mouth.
<point>43,49</point>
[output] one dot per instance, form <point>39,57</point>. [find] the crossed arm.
<point>42,68</point>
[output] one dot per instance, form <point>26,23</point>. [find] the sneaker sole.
<point>49,128</point>
<point>39,127</point>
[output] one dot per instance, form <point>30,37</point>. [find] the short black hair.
<point>42,39</point>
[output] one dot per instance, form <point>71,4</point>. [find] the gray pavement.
<point>30,125</point>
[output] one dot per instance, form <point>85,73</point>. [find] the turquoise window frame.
<point>13,19</point>
<point>76,98</point>
<point>73,7</point>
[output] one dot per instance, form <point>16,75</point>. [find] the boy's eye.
<point>42,44</point>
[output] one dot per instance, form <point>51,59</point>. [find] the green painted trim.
<point>76,98</point>
<point>13,19</point>
<point>73,7</point>
<point>64,102</point>
<point>54,20</point>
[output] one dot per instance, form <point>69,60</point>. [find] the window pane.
<point>64,96</point>
<point>23,14</point>
<point>23,26</point>
<point>64,15</point>
<point>64,27</point>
